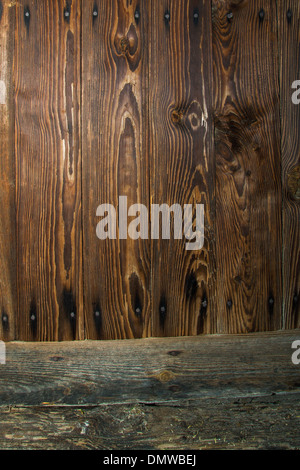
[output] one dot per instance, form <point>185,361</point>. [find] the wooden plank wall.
<point>247,153</point>
<point>182,163</point>
<point>179,101</point>
<point>115,163</point>
<point>48,170</point>
<point>289,53</point>
<point>8,278</point>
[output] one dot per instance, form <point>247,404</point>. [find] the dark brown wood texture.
<point>182,163</point>
<point>8,277</point>
<point>289,43</point>
<point>48,170</point>
<point>162,102</point>
<point>115,163</point>
<point>247,153</point>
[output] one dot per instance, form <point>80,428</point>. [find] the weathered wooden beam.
<point>253,423</point>
<point>151,371</point>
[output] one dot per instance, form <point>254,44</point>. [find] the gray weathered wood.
<point>257,423</point>
<point>207,392</point>
<point>149,370</point>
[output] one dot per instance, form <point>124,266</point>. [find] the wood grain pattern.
<point>210,392</point>
<point>182,163</point>
<point>115,163</point>
<point>176,102</point>
<point>289,43</point>
<point>7,175</point>
<point>270,422</point>
<point>48,166</point>
<point>247,152</point>
<point>149,370</point>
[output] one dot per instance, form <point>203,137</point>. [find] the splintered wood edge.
<point>152,370</point>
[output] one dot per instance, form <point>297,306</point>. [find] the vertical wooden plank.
<point>115,163</point>
<point>289,48</point>
<point>182,163</point>
<point>7,175</point>
<point>247,148</point>
<point>48,167</point>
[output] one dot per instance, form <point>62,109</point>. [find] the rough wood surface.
<point>150,370</point>
<point>182,163</point>
<point>267,423</point>
<point>48,170</point>
<point>176,102</point>
<point>289,40</point>
<point>114,119</point>
<point>247,152</point>
<point>211,392</point>
<point>8,276</point>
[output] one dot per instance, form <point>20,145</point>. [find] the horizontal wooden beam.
<point>149,371</point>
<point>252,423</point>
